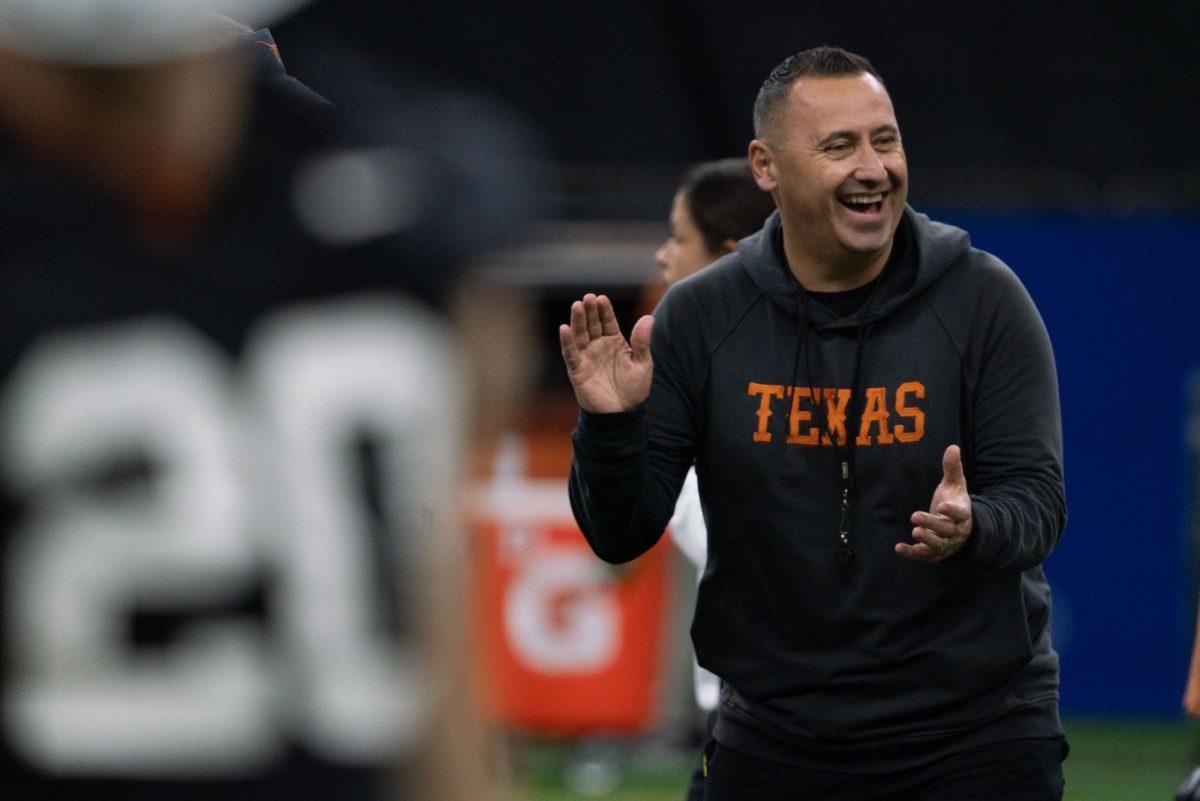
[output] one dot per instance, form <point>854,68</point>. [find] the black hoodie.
<point>888,662</point>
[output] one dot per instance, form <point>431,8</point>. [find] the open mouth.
<point>864,203</point>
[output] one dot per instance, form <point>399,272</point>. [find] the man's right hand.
<point>607,373</point>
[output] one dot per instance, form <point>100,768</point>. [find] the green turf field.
<point>1109,761</point>
<point>1113,761</point>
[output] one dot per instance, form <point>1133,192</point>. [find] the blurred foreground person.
<point>230,421</point>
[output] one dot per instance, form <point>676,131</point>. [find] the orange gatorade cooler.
<point>568,645</point>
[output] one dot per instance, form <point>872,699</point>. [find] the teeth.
<point>864,200</point>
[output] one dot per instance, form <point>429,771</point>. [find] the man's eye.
<point>838,148</point>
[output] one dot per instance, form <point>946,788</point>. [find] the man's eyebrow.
<point>853,135</point>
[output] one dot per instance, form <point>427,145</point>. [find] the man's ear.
<point>762,162</point>
<point>728,246</point>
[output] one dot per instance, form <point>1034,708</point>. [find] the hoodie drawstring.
<point>844,556</point>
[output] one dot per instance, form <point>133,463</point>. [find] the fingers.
<point>958,510</point>
<point>608,318</point>
<point>946,520</point>
<point>942,531</point>
<point>639,339</point>
<point>952,468</point>
<point>578,324</point>
<point>584,326</point>
<point>566,342</point>
<point>599,317</point>
<point>916,553</point>
<point>928,548</point>
<point>591,310</point>
<point>939,541</point>
<point>935,536</point>
<point>592,318</point>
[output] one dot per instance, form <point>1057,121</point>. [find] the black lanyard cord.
<point>845,554</point>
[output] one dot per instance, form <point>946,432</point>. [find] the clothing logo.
<point>886,417</point>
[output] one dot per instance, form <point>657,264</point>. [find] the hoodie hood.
<point>936,247</point>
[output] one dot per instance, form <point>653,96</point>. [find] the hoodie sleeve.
<point>627,468</point>
<point>1015,462</point>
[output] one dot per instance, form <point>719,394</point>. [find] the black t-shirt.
<point>849,301</point>
<point>216,466</point>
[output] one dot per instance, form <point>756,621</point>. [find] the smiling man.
<point>829,150</point>
<point>872,408</point>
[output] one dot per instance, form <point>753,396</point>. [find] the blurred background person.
<point>1191,692</point>
<point>717,203</point>
<point>1189,788</point>
<point>231,415</point>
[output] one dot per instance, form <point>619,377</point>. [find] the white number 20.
<point>251,470</point>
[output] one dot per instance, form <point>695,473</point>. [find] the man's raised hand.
<point>608,373</point>
<point>942,531</point>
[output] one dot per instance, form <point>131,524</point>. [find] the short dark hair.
<point>819,62</point>
<point>724,200</point>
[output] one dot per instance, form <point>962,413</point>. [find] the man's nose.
<point>869,167</point>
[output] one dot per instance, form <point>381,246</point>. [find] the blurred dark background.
<point>1065,136</point>
<point>1068,104</point>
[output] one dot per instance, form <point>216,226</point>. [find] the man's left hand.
<point>939,533</point>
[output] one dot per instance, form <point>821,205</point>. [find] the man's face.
<point>837,168</point>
